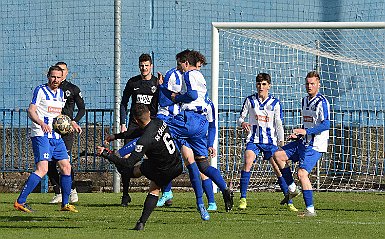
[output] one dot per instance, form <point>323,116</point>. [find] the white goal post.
<point>350,57</point>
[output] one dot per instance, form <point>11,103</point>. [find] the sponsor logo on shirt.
<point>262,118</point>
<point>54,109</point>
<point>144,99</point>
<point>308,119</point>
<point>153,89</point>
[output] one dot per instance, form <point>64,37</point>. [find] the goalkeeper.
<point>265,132</point>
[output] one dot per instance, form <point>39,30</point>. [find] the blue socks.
<point>65,181</point>
<point>196,183</point>
<point>216,177</point>
<point>244,183</point>
<point>287,175</point>
<point>208,189</point>
<point>167,188</point>
<point>285,189</point>
<point>308,198</point>
<point>32,181</point>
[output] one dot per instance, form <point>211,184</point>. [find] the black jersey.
<point>72,96</point>
<point>159,147</point>
<point>140,91</point>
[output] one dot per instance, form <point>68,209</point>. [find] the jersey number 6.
<point>169,143</point>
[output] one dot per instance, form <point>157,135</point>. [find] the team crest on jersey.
<point>269,107</point>
<point>68,93</point>
<point>153,89</point>
<point>80,95</point>
<point>138,148</point>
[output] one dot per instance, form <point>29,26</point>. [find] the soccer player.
<point>142,89</point>
<point>191,126</point>
<point>309,143</point>
<point>163,162</point>
<point>47,103</point>
<point>265,133</point>
<point>72,96</point>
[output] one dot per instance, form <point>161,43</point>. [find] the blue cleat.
<point>166,196</point>
<point>204,214</point>
<point>212,206</point>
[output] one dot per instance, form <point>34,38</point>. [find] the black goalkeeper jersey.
<point>159,147</point>
<point>72,96</point>
<point>140,91</point>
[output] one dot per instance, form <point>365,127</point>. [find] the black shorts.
<point>161,178</point>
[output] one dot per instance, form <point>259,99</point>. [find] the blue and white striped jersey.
<point>194,81</point>
<point>265,119</point>
<point>172,83</point>
<point>49,104</point>
<point>314,112</point>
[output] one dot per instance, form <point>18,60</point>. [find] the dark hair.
<point>201,58</point>
<point>139,111</point>
<point>182,55</point>
<point>313,74</point>
<point>263,77</point>
<point>145,57</point>
<point>54,68</point>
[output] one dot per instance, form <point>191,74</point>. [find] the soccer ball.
<point>62,124</point>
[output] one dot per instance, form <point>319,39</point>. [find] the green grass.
<point>340,215</point>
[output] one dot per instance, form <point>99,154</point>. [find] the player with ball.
<point>47,103</point>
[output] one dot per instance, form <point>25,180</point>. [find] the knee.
<point>302,174</point>
<point>203,164</point>
<point>66,169</point>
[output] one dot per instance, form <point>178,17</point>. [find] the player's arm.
<point>190,94</point>
<point>79,101</point>
<point>278,122</point>
<point>244,112</point>
<point>123,106</point>
<point>324,114</point>
<point>32,114</point>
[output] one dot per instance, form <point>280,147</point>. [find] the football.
<point>62,124</point>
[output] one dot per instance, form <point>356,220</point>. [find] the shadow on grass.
<point>29,218</point>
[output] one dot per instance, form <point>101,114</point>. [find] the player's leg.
<point>250,154</point>
<point>166,196</point>
<point>60,153</point>
<point>148,206</point>
<point>207,185</point>
<point>54,178</point>
<point>306,165</point>
<point>281,157</point>
<point>282,184</point>
<point>68,141</point>
<point>31,183</point>
<point>41,152</point>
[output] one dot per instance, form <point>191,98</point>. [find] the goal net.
<point>350,58</point>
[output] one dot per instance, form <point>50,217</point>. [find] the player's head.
<point>141,114</point>
<point>188,61</point>
<point>181,56</point>
<point>312,83</point>
<point>263,82</point>
<point>201,59</point>
<point>64,67</point>
<point>145,65</point>
<point>55,77</point>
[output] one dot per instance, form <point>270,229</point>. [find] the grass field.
<point>340,215</point>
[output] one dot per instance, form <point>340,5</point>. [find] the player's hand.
<point>173,95</point>
<point>246,126</point>
<point>76,127</point>
<point>123,128</point>
<point>281,143</point>
<point>45,127</point>
<point>299,132</point>
<point>212,152</point>
<point>99,150</point>
<point>109,138</point>
<point>160,78</point>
